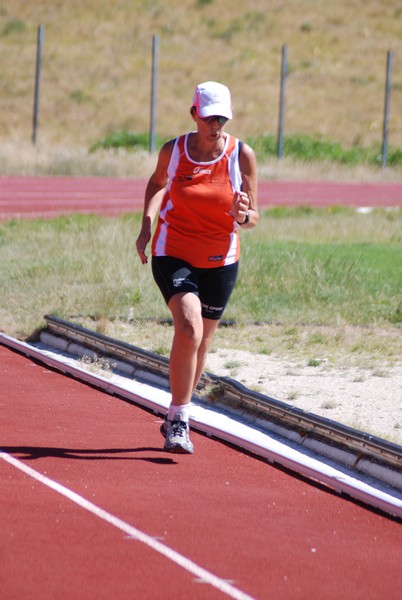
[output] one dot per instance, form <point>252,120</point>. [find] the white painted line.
<point>134,533</point>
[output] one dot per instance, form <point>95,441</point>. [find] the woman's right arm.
<point>154,193</point>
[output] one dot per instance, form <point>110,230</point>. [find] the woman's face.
<point>211,127</point>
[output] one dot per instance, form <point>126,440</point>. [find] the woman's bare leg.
<point>188,336</point>
<point>209,328</point>
<point>191,340</point>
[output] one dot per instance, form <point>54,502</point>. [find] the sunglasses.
<point>209,120</point>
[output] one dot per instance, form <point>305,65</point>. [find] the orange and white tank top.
<point>194,221</point>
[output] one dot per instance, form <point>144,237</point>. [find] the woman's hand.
<point>143,238</point>
<point>240,206</point>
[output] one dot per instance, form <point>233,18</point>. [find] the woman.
<point>205,189</point>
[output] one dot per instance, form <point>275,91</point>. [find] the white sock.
<point>183,409</point>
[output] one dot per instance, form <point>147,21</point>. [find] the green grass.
<point>321,283</point>
<point>128,140</point>
<point>307,148</point>
<point>299,147</point>
<point>13,26</point>
<point>298,268</point>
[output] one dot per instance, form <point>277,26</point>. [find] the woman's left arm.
<point>248,169</point>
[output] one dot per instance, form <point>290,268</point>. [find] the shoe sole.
<point>177,449</point>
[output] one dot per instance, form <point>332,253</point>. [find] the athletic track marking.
<point>134,533</point>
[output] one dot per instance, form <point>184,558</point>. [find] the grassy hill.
<point>97,64</point>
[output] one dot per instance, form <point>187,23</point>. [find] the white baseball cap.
<point>212,99</point>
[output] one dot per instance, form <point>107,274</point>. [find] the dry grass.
<point>97,63</point>
<point>17,158</point>
<point>342,346</point>
<point>22,158</point>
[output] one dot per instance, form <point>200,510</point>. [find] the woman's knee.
<point>188,323</point>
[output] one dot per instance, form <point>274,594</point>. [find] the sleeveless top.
<point>194,221</point>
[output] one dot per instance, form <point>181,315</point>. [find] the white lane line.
<point>131,531</point>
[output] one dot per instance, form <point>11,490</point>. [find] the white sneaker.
<point>176,433</point>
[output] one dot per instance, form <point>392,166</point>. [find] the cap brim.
<point>219,110</point>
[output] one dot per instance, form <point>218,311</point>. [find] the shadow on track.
<point>34,453</point>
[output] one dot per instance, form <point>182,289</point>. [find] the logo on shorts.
<point>212,309</point>
<point>178,281</point>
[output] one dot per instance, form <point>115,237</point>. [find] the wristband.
<point>246,219</point>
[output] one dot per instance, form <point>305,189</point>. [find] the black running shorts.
<point>213,286</point>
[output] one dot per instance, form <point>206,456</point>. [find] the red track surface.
<point>271,534</point>
<point>274,536</point>
<point>53,196</point>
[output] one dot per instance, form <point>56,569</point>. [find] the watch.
<point>246,219</point>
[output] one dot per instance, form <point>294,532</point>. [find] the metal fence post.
<point>385,130</point>
<point>284,69</point>
<point>154,82</point>
<point>38,70</point>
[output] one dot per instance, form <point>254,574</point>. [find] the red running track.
<point>258,530</point>
<point>32,197</point>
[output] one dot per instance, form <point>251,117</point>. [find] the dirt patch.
<point>368,399</point>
